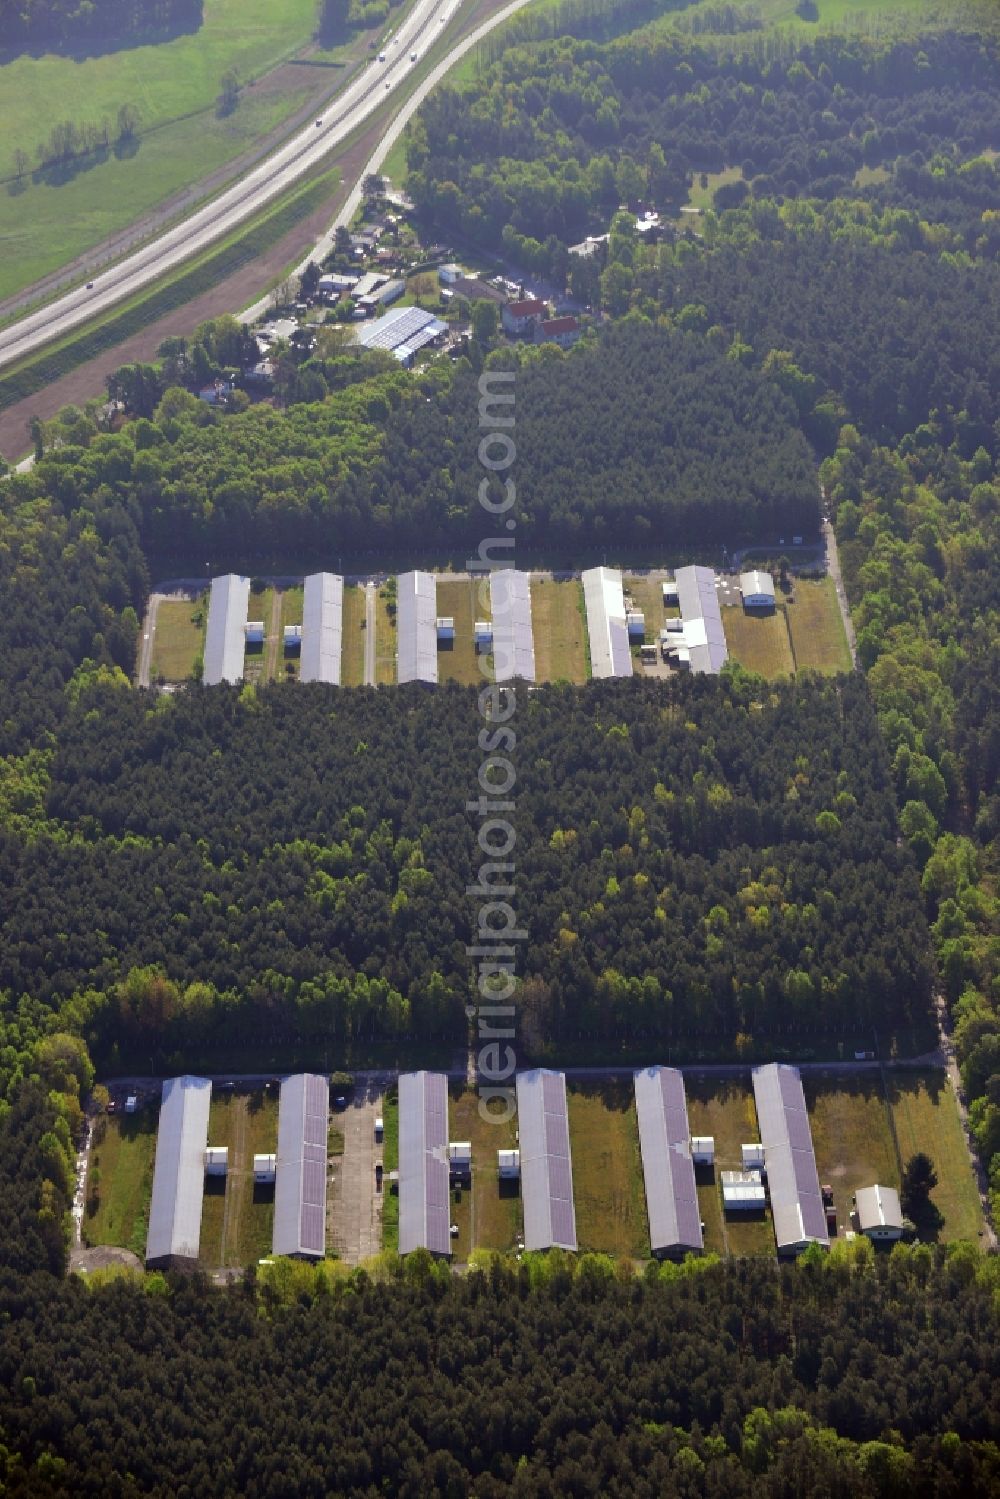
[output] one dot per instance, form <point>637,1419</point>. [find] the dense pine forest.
<point>648,433</point>
<point>843,1377</point>
<point>697,861</point>
<point>725,861</point>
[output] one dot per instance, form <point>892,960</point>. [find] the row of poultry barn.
<point>695,641</point>
<point>778,1170</point>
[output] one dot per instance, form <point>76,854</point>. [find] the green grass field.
<point>925,1117</point>
<point>815,627</point>
<point>237,1219</point>
<point>390,1162</point>
<point>852,1136</point>
<point>179,638</point>
<point>352,654</point>
<point>120,1180</point>
<point>173,85</point>
<point>461,601</point>
<point>385,642</point>
<point>492,1217</point>
<point>558,629</point>
<point>701,197</point>
<point>759,641</point>
<point>607,1170</point>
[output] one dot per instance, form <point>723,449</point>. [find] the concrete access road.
<point>416,33</point>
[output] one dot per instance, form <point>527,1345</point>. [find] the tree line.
<point>94,25</point>
<point>873,1376</point>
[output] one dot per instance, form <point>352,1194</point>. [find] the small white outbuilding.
<point>703,1150</point>
<point>217,1160</point>
<point>264,1168</point>
<point>509,1165</point>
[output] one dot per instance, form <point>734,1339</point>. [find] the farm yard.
<point>120,1180</point>
<point>725,1109</point>
<point>179,639</point>
<point>925,1118</point>
<point>488,1216</point>
<point>238,1217</point>
<point>759,642</point>
<point>557,620</point>
<point>815,627</point>
<point>461,601</point>
<point>607,1170</point>
<point>852,1136</point>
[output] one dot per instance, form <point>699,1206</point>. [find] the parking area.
<point>354,1206</point>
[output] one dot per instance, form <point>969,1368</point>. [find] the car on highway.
<point>413,57</point>
<point>388,83</point>
<point>381,57</point>
<point>90,286</point>
<point>319,122</point>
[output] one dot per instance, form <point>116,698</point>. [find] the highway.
<point>417,32</point>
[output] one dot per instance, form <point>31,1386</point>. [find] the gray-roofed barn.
<point>792,1179</point>
<point>322,628</point>
<point>225,642</point>
<point>604,597</point>
<point>667,1165</point>
<point>513,642</point>
<point>704,637</point>
<point>174,1232</point>
<point>424,1213</point>
<point>300,1167</point>
<point>878,1212</point>
<point>546,1161</point>
<point>416,627</point>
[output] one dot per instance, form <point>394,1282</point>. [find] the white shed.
<point>742,1191</point>
<point>131,1104</point>
<point>445,628</point>
<point>264,1168</point>
<point>483,636</point>
<point>703,1150</point>
<point>670,593</point>
<point>753,1156</point>
<point>460,1157</point>
<point>757,589</point>
<point>217,1160</point>
<point>878,1212</point>
<point>509,1164</point>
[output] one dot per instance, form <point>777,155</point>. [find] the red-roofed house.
<point>522,317</point>
<point>563,331</point>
